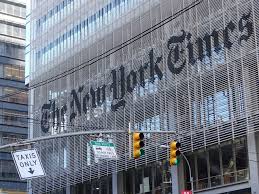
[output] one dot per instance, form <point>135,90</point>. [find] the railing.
<point>226,178</point>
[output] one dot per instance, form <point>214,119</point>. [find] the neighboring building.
<point>184,66</point>
<point>13,93</point>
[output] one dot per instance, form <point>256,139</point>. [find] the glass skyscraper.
<point>13,93</point>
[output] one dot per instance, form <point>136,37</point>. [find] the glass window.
<point>191,160</point>
<point>8,170</point>
<point>215,172</point>
<point>11,50</point>
<point>138,180</point>
<point>16,96</point>
<point>147,179</point>
<point>241,159</point>
<point>219,165</point>
<point>8,138</point>
<point>2,7</point>
<point>202,170</point>
<point>14,72</point>
<point>15,118</point>
<point>209,109</point>
<point>223,112</point>
<point>17,11</point>
<point>228,163</point>
<point>128,183</point>
<point>158,175</point>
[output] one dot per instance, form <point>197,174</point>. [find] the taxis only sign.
<point>28,164</point>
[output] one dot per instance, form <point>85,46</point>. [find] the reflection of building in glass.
<point>13,94</point>
<point>100,65</point>
<point>219,165</point>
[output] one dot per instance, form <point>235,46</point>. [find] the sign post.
<point>103,150</point>
<point>28,164</point>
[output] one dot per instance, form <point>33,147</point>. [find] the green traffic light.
<point>142,152</point>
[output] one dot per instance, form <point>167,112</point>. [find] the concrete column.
<point>68,190</point>
<point>114,183</point>
<point>175,182</point>
<point>181,178</point>
<point>253,150</point>
<point>84,188</point>
<point>29,187</point>
<point>120,184</point>
<point>117,183</point>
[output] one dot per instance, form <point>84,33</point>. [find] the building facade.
<point>13,100</point>
<point>174,69</point>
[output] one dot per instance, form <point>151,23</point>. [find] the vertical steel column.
<point>68,190</point>
<point>114,183</point>
<point>253,148</point>
<point>174,178</point>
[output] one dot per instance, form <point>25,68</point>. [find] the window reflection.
<point>154,178</point>
<point>11,50</point>
<point>214,107</point>
<point>228,163</point>
<point>191,159</point>
<point>138,180</point>
<point>14,72</point>
<point>202,170</point>
<point>147,180</point>
<point>214,161</point>
<point>15,118</point>
<point>15,95</point>
<point>8,170</point>
<point>224,164</point>
<point>241,159</point>
<point>8,138</point>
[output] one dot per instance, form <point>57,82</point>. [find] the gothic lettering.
<point>123,84</point>
<point>75,100</point>
<point>142,74</point>
<point>231,26</point>
<point>248,26</point>
<point>113,86</point>
<point>100,95</point>
<point>92,92</point>
<point>154,69</point>
<point>45,111</point>
<point>122,81</point>
<point>131,81</point>
<point>63,112</point>
<point>86,103</point>
<point>190,49</point>
<point>175,51</point>
<point>55,115</point>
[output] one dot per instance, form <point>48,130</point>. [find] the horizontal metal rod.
<point>34,140</point>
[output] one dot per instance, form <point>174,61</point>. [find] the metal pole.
<point>34,140</point>
<point>190,171</point>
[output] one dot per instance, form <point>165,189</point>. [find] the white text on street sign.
<point>28,163</point>
<point>104,150</point>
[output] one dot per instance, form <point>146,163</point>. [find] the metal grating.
<point>213,98</point>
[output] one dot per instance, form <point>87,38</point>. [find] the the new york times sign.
<point>122,84</point>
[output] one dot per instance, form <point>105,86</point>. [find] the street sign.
<point>28,164</point>
<point>186,192</point>
<point>103,150</point>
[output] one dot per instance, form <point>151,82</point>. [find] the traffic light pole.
<point>190,171</point>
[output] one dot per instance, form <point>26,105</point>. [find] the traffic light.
<point>174,153</point>
<point>138,144</point>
